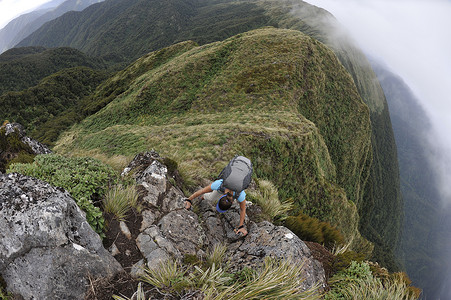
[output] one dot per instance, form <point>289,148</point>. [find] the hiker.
<point>229,186</point>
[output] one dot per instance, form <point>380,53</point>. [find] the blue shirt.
<point>217,184</point>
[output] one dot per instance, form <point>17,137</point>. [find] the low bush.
<point>314,230</point>
<point>343,260</point>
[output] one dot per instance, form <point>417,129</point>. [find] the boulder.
<point>47,248</point>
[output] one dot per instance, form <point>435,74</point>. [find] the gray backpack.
<point>236,175</point>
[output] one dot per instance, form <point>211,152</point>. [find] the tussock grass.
<point>374,288</point>
<point>217,255</point>
<point>168,275</point>
<point>267,197</point>
<point>119,200</point>
<point>276,279</point>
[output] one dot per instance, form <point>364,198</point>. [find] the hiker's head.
<point>224,203</point>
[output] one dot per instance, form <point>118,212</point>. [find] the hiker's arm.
<point>242,217</point>
<point>206,189</point>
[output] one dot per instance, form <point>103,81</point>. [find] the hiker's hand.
<point>242,231</point>
<point>188,203</point>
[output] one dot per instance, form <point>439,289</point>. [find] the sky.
<point>412,38</point>
<point>10,9</point>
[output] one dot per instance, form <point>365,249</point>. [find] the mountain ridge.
<point>247,106</point>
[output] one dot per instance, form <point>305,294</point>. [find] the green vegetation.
<point>273,280</point>
<point>13,150</point>
<point>372,186</point>
<point>216,256</point>
<point>23,68</point>
<point>266,196</point>
<point>50,98</point>
<point>86,179</point>
<point>103,34</point>
<point>359,282</point>
<point>311,229</point>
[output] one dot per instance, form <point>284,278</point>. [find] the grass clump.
<point>86,179</point>
<point>168,276</point>
<point>359,282</point>
<point>267,197</point>
<point>275,279</point>
<point>119,200</point>
<point>312,229</point>
<point>217,255</point>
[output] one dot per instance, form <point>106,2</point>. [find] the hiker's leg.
<point>213,197</point>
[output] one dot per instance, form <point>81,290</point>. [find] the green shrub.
<point>12,149</point>
<point>358,282</point>
<point>86,179</point>
<point>22,158</point>
<point>344,260</point>
<point>314,230</point>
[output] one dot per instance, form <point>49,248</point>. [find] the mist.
<point>10,9</point>
<point>412,38</point>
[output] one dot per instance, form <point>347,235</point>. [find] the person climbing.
<point>229,186</point>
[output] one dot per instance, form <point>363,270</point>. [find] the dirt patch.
<point>129,253</point>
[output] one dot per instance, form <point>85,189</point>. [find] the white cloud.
<point>412,38</point>
<point>10,9</point>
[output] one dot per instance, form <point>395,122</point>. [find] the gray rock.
<point>183,229</point>
<point>36,146</point>
<point>265,239</point>
<point>149,218</point>
<point>48,248</point>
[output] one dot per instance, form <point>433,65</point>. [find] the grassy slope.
<point>245,95</point>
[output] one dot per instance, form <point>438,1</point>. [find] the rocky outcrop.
<point>47,248</point>
<point>15,144</point>
<point>170,231</point>
<point>36,146</point>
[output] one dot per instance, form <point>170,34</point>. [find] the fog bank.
<point>10,9</point>
<point>412,38</point>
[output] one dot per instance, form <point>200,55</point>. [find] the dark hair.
<point>224,203</point>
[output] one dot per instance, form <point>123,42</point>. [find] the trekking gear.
<point>237,175</point>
